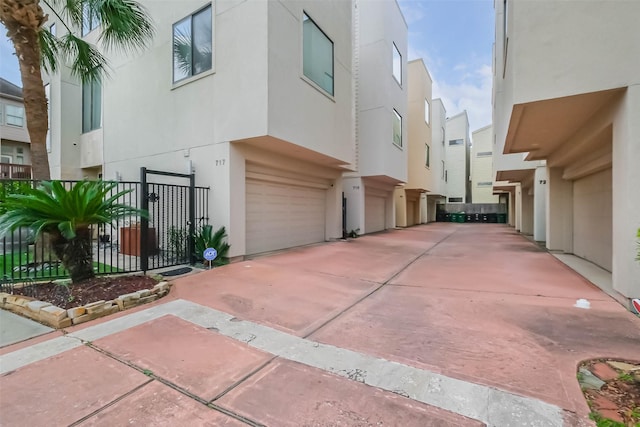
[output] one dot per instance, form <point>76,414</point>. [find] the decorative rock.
<point>588,380</point>
<point>76,312</point>
<point>94,304</point>
<point>54,312</point>
<point>81,319</point>
<point>64,323</point>
<point>144,293</point>
<point>161,287</point>
<point>129,297</point>
<point>611,414</point>
<point>36,306</point>
<point>604,372</point>
<point>601,402</point>
<point>94,309</point>
<point>628,367</point>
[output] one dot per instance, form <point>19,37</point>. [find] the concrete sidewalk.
<point>436,325</point>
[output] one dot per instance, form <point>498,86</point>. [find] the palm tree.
<point>124,24</point>
<point>66,216</point>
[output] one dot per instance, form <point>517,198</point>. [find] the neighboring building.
<point>411,199</point>
<point>15,150</point>
<point>567,102</point>
<point>457,151</point>
<point>482,166</point>
<point>381,116</point>
<point>439,175</point>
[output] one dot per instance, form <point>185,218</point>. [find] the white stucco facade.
<point>482,166</point>
<point>573,120</point>
<point>380,56</point>
<point>457,153</point>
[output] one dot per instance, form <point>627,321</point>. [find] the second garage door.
<point>283,216</point>
<point>374,217</point>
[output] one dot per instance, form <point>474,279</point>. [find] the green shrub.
<point>206,238</point>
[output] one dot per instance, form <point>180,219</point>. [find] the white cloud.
<point>472,94</point>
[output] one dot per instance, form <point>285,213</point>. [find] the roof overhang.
<point>541,127</point>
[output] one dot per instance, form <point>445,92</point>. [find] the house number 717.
<point>220,162</point>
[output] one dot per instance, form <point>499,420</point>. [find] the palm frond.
<point>49,50</point>
<point>125,24</point>
<point>87,63</point>
<point>52,207</point>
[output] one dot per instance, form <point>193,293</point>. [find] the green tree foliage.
<point>66,215</point>
<point>206,238</point>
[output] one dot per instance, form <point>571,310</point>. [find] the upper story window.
<point>484,153</point>
<point>485,183</point>
<point>193,45</point>
<point>90,20</point>
<point>91,106</point>
<point>397,64</point>
<point>317,55</point>
<point>14,115</point>
<point>397,128</point>
<point>442,129</point>
<point>52,29</point>
<point>456,142</point>
<point>47,93</point>
<point>427,112</point>
<point>427,150</point>
<point>443,170</point>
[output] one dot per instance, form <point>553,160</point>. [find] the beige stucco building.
<point>566,108</point>
<point>482,166</point>
<point>411,198</point>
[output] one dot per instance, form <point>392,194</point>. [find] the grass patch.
<point>9,262</point>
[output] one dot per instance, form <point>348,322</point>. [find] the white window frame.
<point>397,64</point>
<point>7,115</point>
<point>205,72</point>
<point>89,20</point>
<point>396,118</point>
<point>427,112</point>
<point>306,67</point>
<point>92,125</point>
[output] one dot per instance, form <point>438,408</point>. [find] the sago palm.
<point>66,215</point>
<point>205,238</point>
<point>123,24</point>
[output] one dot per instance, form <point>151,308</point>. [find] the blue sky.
<point>453,37</point>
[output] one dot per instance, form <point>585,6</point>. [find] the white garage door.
<point>374,218</point>
<point>283,216</point>
<point>592,218</point>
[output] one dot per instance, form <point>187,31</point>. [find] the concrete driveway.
<point>436,325</point>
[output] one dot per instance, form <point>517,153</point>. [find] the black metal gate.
<point>176,212</point>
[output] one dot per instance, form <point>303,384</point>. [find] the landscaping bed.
<point>61,304</point>
<point>612,390</point>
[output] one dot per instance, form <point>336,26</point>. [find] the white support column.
<point>518,210</point>
<point>626,195</point>
<point>540,182</point>
<point>559,234</point>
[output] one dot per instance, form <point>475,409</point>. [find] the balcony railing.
<point>14,171</point>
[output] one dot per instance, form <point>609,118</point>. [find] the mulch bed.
<point>617,402</point>
<point>92,290</point>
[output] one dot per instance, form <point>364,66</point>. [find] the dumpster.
<point>460,217</point>
<point>502,218</point>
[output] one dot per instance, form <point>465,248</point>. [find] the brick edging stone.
<point>56,317</point>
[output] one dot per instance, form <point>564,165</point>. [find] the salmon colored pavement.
<point>458,305</point>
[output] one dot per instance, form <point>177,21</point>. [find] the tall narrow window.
<point>427,153</point>
<point>443,170</point>
<point>47,93</point>
<point>427,112</point>
<point>14,115</point>
<point>91,106</point>
<point>397,64</point>
<point>193,45</point>
<point>317,55</point>
<point>52,29</point>
<point>90,19</point>
<point>397,128</point>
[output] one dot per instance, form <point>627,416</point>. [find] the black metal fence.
<point>129,245</point>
